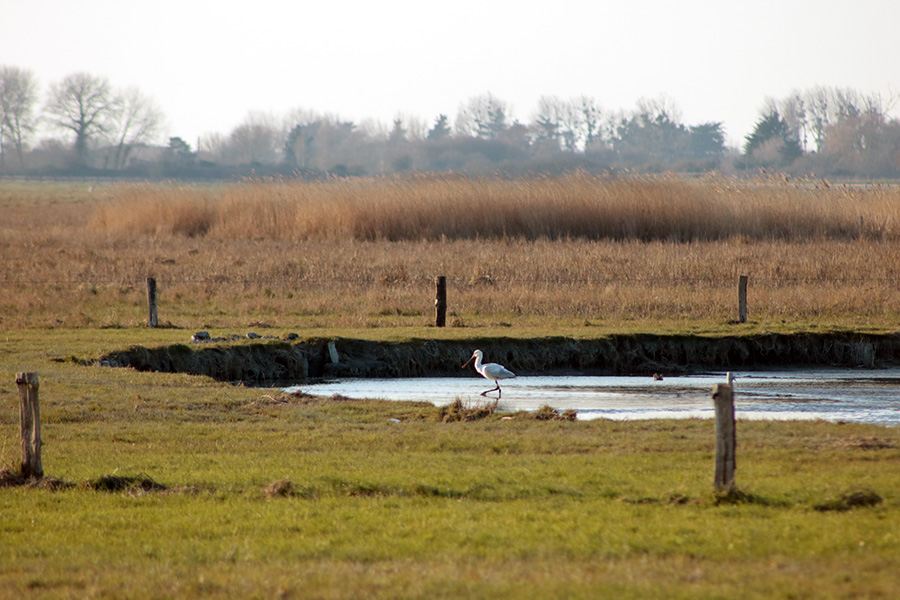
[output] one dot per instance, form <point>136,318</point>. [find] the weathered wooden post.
<point>152,302</point>
<point>742,299</point>
<point>30,422</point>
<point>723,397</point>
<point>440,302</point>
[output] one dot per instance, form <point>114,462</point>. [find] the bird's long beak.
<point>468,362</point>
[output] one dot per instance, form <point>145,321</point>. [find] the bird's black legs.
<point>496,389</point>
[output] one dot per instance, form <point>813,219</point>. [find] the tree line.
<point>101,129</point>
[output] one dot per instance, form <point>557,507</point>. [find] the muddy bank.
<point>279,362</point>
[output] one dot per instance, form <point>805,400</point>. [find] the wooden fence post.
<point>742,299</point>
<point>152,302</point>
<point>725,434</point>
<point>30,421</point>
<point>440,302</point>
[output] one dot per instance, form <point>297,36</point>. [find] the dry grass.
<point>306,255</point>
<point>459,410</point>
<point>580,206</point>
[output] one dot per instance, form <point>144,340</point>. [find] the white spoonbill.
<point>491,371</point>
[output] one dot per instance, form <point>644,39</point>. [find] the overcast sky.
<point>209,64</point>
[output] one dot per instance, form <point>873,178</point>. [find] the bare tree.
<point>482,116</point>
<point>591,121</point>
<point>819,110</point>
<point>548,122</point>
<point>660,108</point>
<point>340,147</point>
<point>812,112</point>
<point>300,146</point>
<point>137,121</point>
<point>416,127</point>
<point>18,95</point>
<point>865,144</point>
<point>83,104</point>
<point>298,116</point>
<point>572,124</point>
<point>653,133</point>
<point>793,111</point>
<point>259,140</point>
<point>215,148</point>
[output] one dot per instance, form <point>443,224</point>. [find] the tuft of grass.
<point>735,496</point>
<point>849,500</point>
<point>11,479</point>
<point>458,410</point>
<point>282,488</point>
<point>548,413</point>
<point>119,483</point>
<point>8,478</point>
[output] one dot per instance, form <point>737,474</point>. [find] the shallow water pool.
<point>869,396</point>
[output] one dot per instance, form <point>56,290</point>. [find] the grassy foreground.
<point>268,495</point>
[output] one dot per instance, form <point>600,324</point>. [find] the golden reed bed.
<point>634,252</point>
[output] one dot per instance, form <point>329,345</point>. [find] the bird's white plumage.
<point>491,371</point>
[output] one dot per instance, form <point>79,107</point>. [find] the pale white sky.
<point>208,64</point>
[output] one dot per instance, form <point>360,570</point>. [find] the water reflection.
<point>836,395</point>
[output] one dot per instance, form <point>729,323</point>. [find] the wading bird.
<point>491,371</point>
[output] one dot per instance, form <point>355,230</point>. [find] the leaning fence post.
<point>440,302</point>
<point>742,299</point>
<point>152,302</point>
<point>30,422</point>
<point>723,397</point>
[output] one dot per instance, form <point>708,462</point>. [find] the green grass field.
<point>269,495</point>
